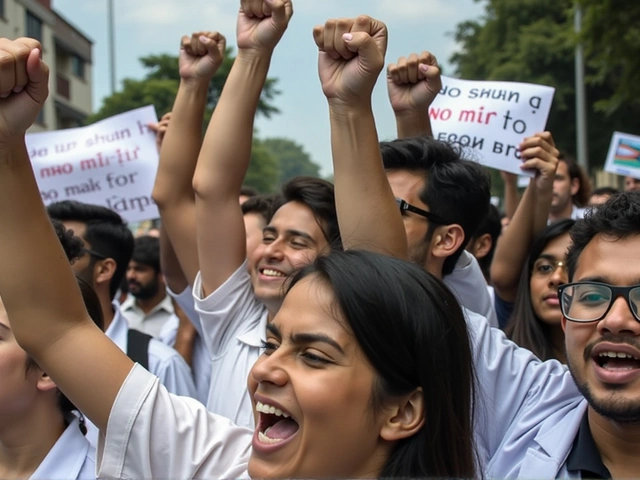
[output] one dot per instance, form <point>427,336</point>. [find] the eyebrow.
<point>307,338</point>
<point>546,256</point>
<point>601,279</point>
<point>289,233</point>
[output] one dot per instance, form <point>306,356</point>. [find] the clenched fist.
<point>261,24</point>
<point>24,86</point>
<point>201,55</point>
<point>413,82</point>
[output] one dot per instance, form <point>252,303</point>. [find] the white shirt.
<point>201,360</point>
<point>71,457</point>
<point>470,287</point>
<point>150,323</point>
<point>153,434</point>
<point>234,324</point>
<point>164,362</point>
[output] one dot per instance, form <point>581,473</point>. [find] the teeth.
<point>617,355</point>
<point>271,410</point>
<point>264,439</point>
<point>272,273</point>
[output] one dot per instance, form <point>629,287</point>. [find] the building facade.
<point>66,50</point>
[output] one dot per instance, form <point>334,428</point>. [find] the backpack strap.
<point>138,347</point>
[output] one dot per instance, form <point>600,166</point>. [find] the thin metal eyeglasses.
<point>93,253</point>
<point>432,217</point>
<point>591,301</point>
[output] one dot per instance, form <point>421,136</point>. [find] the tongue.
<point>621,364</point>
<point>282,429</point>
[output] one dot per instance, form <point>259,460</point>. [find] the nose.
<point>558,276</point>
<point>619,320</point>
<point>273,250</point>
<point>269,369</point>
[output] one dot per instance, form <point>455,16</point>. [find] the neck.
<point>26,440</point>
<point>618,444</point>
<point>560,214</point>
<point>105,304</point>
<point>148,304</point>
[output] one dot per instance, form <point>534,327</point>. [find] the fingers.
<point>539,152</point>
<point>279,10</point>
<point>21,68</point>
<point>415,68</point>
<point>200,44</point>
<point>344,38</point>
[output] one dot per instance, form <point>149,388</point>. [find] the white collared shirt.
<point>201,360</point>
<point>71,458</point>
<point>234,324</point>
<point>150,323</point>
<point>164,362</point>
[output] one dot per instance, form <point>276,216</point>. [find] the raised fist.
<point>539,153</point>
<point>261,24</point>
<point>23,86</point>
<point>351,57</point>
<point>201,55</point>
<point>413,82</point>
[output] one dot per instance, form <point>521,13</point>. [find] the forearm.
<point>513,247</point>
<point>510,198</point>
<point>364,199</point>
<point>171,268</point>
<point>413,124</point>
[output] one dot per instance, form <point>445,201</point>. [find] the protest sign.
<point>624,155</point>
<point>111,163</point>
<point>490,118</point>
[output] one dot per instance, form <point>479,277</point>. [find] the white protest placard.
<point>490,118</point>
<point>624,155</point>
<point>111,163</point>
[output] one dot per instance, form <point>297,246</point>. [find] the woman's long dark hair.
<point>524,326</point>
<point>413,332</point>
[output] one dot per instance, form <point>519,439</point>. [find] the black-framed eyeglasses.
<point>432,217</point>
<point>93,253</point>
<point>591,301</point>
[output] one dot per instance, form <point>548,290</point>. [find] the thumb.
<point>281,11</point>
<point>367,49</point>
<point>212,48</point>
<point>38,73</point>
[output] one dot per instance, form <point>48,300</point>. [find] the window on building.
<point>77,66</point>
<point>34,27</point>
<point>1,8</point>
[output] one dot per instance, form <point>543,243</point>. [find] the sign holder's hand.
<point>539,153</point>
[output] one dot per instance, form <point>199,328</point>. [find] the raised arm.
<point>511,197</point>
<point>412,83</point>
<point>200,57</point>
<point>226,150</point>
<point>46,312</point>
<point>539,154</point>
<point>350,60</point>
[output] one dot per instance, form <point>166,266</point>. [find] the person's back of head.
<point>146,251</point>
<point>262,205</point>
<point>601,195</point>
<point>383,301</point>
<point>319,196</point>
<point>456,189</point>
<point>105,232</point>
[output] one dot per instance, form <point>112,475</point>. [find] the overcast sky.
<point>155,26</point>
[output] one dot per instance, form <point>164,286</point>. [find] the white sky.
<point>155,26</point>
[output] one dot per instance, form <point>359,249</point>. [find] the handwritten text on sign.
<point>492,118</point>
<point>111,163</point>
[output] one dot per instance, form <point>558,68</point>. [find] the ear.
<point>405,417</point>
<point>575,186</point>
<point>482,246</point>
<point>45,384</point>
<point>447,240</point>
<point>104,271</point>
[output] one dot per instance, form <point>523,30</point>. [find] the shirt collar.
<point>584,457</point>
<point>130,304</point>
<point>256,335</point>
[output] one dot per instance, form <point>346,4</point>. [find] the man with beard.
<point>570,191</point>
<point>148,306</point>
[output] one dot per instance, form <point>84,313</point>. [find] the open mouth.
<point>270,272</point>
<point>617,361</point>
<point>274,425</point>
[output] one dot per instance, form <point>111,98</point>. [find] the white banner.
<point>111,163</point>
<point>490,118</point>
<point>624,155</point>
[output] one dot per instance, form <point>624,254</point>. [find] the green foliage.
<point>534,41</point>
<point>263,170</point>
<point>292,160</point>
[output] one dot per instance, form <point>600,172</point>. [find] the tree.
<point>263,169</point>
<point>292,160</point>
<point>534,41</point>
<point>160,85</point>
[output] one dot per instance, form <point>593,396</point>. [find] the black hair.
<point>493,226</point>
<point>262,205</point>
<point>106,233</point>
<point>319,196</point>
<point>248,191</point>
<point>146,251</point>
<point>524,326</point>
<point>412,330</point>
<point>581,198</point>
<point>71,244</point>
<point>456,189</point>
<point>604,191</point>
<point>618,217</point>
